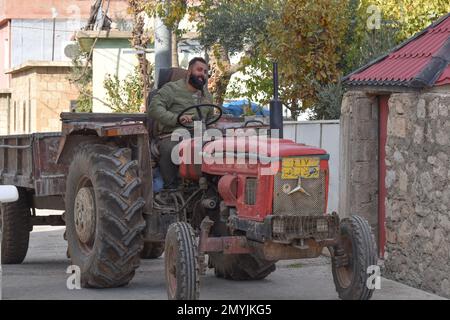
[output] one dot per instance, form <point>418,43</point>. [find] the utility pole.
<point>163,47</point>
<point>54,15</point>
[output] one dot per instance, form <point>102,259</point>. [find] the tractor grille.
<point>288,228</point>
<point>299,203</point>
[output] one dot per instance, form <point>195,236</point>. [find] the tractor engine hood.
<point>261,147</point>
<point>249,154</point>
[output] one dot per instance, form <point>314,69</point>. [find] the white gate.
<point>323,134</point>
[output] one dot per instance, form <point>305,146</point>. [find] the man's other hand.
<point>187,118</point>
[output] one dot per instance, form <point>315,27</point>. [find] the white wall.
<point>113,57</point>
<point>323,134</point>
<point>33,39</point>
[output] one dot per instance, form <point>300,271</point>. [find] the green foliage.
<point>398,20</point>
<point>411,15</point>
<point>328,39</point>
<point>235,25</point>
<point>306,43</point>
<point>171,12</point>
<point>328,103</point>
<point>125,95</point>
<point>314,42</point>
<point>81,77</point>
<point>256,84</point>
<point>227,27</point>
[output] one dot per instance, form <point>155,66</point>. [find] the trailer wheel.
<point>240,267</point>
<point>350,271</point>
<point>152,250</point>
<point>15,225</point>
<point>181,263</point>
<point>104,219</point>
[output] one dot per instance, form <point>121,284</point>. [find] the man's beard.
<point>198,82</point>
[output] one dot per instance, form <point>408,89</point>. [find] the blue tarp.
<point>236,108</point>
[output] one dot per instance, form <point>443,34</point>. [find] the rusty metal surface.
<point>227,245</point>
<point>49,202</point>
<point>67,117</point>
<point>49,177</point>
<point>53,220</point>
<point>289,228</point>
<point>104,129</point>
<point>145,171</point>
<point>276,251</point>
<point>15,160</point>
<point>32,165</point>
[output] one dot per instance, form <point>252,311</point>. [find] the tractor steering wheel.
<point>200,116</point>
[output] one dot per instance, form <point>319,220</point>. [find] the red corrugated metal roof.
<point>403,64</point>
<point>444,78</point>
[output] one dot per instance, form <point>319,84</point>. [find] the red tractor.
<point>256,200</point>
<point>247,204</point>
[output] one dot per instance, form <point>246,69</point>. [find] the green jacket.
<point>173,98</point>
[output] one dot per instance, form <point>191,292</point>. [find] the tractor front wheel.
<point>352,259</point>
<point>181,263</point>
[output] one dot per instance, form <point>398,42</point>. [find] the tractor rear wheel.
<point>15,226</point>
<point>352,258</point>
<point>152,250</point>
<point>104,220</point>
<point>181,263</point>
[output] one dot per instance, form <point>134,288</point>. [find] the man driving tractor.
<point>166,106</point>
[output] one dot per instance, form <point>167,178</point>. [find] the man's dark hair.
<point>196,59</point>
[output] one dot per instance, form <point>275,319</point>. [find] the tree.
<point>377,26</point>
<point>227,28</point>
<point>126,95</point>
<point>81,77</point>
<point>171,12</point>
<point>139,40</point>
<point>175,11</point>
<point>306,42</point>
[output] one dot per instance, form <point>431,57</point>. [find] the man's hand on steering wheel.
<point>186,120</point>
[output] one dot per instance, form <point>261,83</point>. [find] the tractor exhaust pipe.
<point>276,106</point>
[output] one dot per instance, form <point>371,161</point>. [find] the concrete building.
<point>395,156</point>
<point>35,40</point>
<point>27,32</point>
<point>112,55</point>
<point>40,91</point>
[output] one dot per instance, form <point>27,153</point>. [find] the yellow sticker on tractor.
<point>293,168</point>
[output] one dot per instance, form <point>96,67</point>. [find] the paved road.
<point>42,276</point>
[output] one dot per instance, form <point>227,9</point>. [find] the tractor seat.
<point>166,75</point>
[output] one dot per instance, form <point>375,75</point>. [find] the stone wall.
<point>38,95</point>
<point>4,109</point>
<point>54,96</point>
<point>23,88</point>
<point>358,173</point>
<point>418,191</point>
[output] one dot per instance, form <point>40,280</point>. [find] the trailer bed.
<point>29,161</point>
